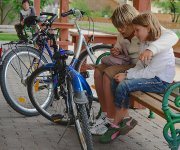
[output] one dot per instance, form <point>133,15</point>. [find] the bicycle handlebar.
<point>76,12</point>
<point>46,13</point>
<point>51,20</point>
<point>67,13</point>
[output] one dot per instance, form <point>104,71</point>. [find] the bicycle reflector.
<point>0,52</point>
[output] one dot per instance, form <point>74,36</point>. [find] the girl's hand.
<point>120,76</point>
<point>115,51</point>
<point>146,55</point>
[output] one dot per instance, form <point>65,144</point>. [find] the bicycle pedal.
<point>85,74</point>
<point>57,117</point>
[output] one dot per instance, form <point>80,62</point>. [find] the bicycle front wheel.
<point>16,68</point>
<point>41,93</point>
<point>81,120</point>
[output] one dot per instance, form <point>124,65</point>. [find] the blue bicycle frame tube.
<point>80,86</point>
<point>78,82</point>
<point>48,49</point>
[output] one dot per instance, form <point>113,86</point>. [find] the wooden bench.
<point>111,39</point>
<point>167,106</point>
<point>105,39</point>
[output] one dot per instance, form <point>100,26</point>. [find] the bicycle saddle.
<point>33,20</point>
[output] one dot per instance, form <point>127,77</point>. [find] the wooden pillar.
<point>37,6</point>
<point>64,6</point>
<point>142,5</point>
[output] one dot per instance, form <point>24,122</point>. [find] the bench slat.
<point>147,101</point>
<point>151,102</point>
<point>160,98</point>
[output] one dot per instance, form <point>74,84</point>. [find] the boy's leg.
<point>109,73</point>
<point>98,80</point>
<point>108,97</point>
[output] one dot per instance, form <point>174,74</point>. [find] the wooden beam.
<point>37,6</point>
<point>64,6</point>
<point>142,5</point>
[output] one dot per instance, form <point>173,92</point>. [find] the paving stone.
<point>36,133</point>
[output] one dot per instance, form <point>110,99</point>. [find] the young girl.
<point>148,76</point>
<point>122,19</point>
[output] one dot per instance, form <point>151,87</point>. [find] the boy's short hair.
<point>24,1</point>
<point>123,15</point>
<point>149,20</point>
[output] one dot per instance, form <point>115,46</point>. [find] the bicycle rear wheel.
<point>16,68</point>
<point>86,67</point>
<point>41,93</point>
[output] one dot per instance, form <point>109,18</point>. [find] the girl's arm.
<point>140,71</point>
<point>167,39</point>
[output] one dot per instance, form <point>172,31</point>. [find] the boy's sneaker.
<point>100,127</point>
<point>124,127</point>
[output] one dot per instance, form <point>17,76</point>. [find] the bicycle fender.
<point>80,86</point>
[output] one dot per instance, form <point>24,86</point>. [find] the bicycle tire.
<point>98,48</point>
<point>98,52</point>
<point>55,110</point>
<point>16,94</point>
<point>81,121</point>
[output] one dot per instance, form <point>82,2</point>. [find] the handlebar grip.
<point>46,13</point>
<point>70,12</point>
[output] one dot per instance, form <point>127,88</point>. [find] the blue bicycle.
<point>72,96</point>
<point>23,59</point>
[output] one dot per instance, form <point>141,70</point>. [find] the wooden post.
<point>142,5</point>
<point>64,6</point>
<point>37,6</point>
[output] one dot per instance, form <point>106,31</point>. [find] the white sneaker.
<point>100,127</point>
<point>100,120</point>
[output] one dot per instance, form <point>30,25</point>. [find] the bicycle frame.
<point>79,83</point>
<point>82,41</point>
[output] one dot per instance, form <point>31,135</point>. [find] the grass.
<point>103,27</point>
<point>8,37</point>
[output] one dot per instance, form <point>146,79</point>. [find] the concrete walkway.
<point>36,133</point>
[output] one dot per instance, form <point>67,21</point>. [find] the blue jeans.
<point>122,90</point>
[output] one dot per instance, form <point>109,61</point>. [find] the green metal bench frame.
<point>173,138</point>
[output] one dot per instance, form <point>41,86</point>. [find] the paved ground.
<point>36,133</point>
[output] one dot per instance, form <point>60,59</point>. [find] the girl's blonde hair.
<point>123,15</point>
<point>149,20</point>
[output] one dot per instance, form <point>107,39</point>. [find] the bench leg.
<point>172,137</point>
<point>151,114</point>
